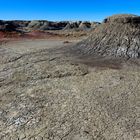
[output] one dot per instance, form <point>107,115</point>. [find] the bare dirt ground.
<point>47,95</point>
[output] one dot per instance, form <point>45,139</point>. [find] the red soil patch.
<point>4,35</point>
<point>39,35</point>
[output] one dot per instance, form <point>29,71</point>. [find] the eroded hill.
<point>117,36</point>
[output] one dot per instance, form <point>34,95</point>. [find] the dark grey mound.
<point>72,25</point>
<point>8,26</point>
<point>25,26</point>
<point>57,25</point>
<point>84,25</point>
<point>81,25</point>
<point>14,25</point>
<point>117,36</point>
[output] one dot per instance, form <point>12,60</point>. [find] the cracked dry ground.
<point>46,96</point>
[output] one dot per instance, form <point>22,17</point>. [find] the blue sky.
<point>93,10</point>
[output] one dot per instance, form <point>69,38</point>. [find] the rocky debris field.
<point>45,94</point>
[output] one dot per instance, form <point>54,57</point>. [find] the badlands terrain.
<point>70,80</point>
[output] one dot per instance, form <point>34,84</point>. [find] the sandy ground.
<point>47,95</point>
<point>38,44</point>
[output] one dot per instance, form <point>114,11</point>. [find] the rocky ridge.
<point>45,25</point>
<point>117,36</point>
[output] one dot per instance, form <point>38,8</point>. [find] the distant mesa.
<point>81,25</point>
<point>71,25</point>
<point>118,36</point>
<point>123,18</point>
<point>46,25</point>
<point>42,25</point>
<point>8,26</point>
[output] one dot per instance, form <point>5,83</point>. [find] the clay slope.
<point>117,36</point>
